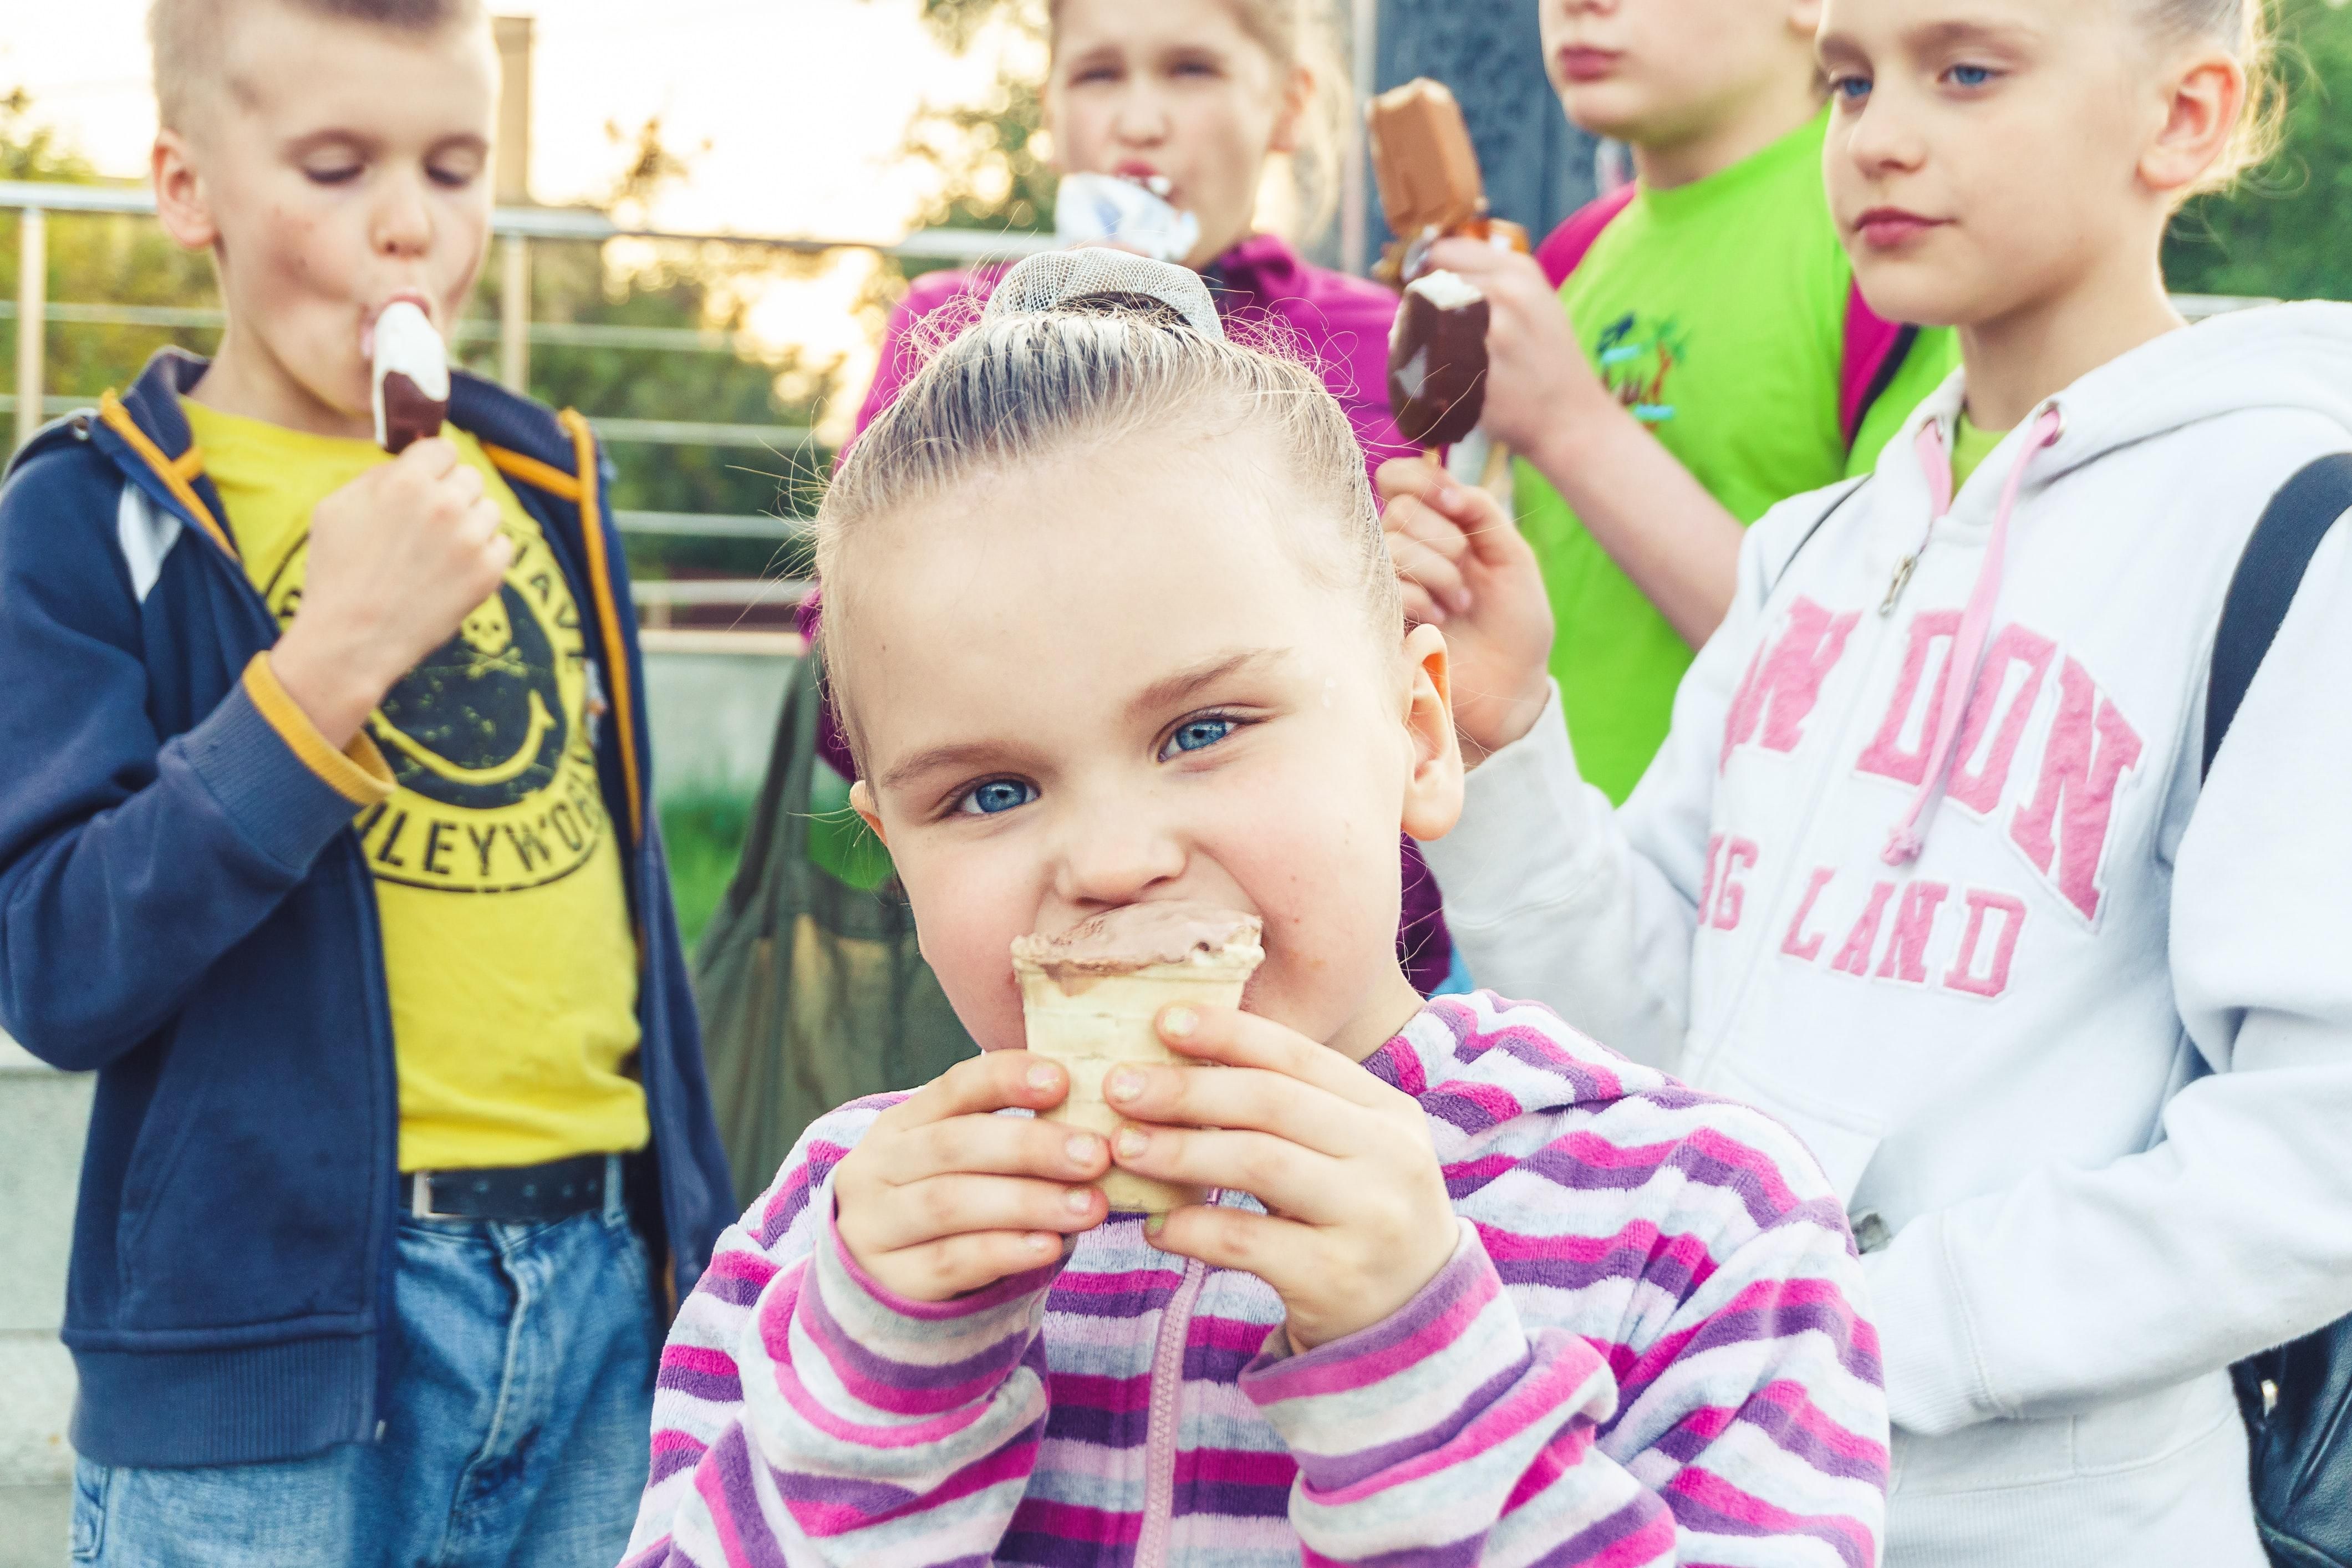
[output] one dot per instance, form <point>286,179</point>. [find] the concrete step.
<point>43,1116</point>
<point>33,1522</point>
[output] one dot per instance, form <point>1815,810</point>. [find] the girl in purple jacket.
<point>1208,95</point>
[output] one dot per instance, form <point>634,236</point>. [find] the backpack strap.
<point>1876,349</point>
<point>1564,249</point>
<point>2268,576</point>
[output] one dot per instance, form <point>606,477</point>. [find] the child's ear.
<point>861,801</point>
<point>179,202</point>
<point>1433,793</point>
<point>1297,100</point>
<point>2200,114</point>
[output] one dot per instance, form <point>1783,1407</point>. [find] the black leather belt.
<point>520,1194</point>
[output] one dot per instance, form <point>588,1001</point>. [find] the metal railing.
<point>516,230</point>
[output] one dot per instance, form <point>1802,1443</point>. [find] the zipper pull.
<point>1903,570</point>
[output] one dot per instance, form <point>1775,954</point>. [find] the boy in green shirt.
<point>1710,307</point>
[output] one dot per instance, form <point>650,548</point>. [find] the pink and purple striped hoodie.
<point>1646,1349</point>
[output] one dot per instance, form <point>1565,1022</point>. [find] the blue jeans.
<point>516,1435</point>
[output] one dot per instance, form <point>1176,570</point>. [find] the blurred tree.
<point>2286,231</point>
<point>92,256</point>
<point>988,154</point>
<point>127,260</point>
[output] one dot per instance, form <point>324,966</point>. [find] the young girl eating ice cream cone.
<point>1111,624</point>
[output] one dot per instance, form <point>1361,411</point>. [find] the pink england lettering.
<point>1888,756</point>
<point>1979,784</point>
<point>1784,680</point>
<point>1854,958</point>
<point>2091,747</point>
<point>1731,895</point>
<point>1914,923</point>
<point>1994,979</point>
<point>1797,944</point>
<point>1706,883</point>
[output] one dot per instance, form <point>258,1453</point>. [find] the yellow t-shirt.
<point>506,944</point>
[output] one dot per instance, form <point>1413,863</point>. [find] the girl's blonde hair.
<point>1096,348</point>
<point>2244,27</point>
<point>1295,33</point>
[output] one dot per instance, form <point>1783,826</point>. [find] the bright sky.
<point>804,103</point>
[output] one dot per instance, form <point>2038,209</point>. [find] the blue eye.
<point>1850,89</point>
<point>1197,734</point>
<point>995,798</point>
<point>1971,76</point>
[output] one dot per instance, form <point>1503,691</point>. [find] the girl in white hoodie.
<point>1929,866</point>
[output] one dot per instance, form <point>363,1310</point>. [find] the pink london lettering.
<point>1887,756</point>
<point>1784,680</point>
<point>1980,784</point>
<point>2063,828</point>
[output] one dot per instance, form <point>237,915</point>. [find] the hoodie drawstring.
<point>1910,835</point>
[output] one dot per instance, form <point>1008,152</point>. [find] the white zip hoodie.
<point>2087,1057</point>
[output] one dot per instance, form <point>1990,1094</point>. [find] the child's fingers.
<point>1423,568</point>
<point>962,1205</point>
<point>1284,1175</point>
<point>1250,1099</point>
<point>997,1145</point>
<point>1241,1039</point>
<point>956,1264</point>
<point>1409,517</point>
<point>1420,609</point>
<point>1276,1250</point>
<point>1402,476</point>
<point>993,1081</point>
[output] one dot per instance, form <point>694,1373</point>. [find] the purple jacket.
<point>1273,298</point>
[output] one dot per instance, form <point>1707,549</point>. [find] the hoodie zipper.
<point>1159,1440</point>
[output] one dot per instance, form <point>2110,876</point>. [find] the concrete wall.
<point>713,698</point>
<point>42,1115</point>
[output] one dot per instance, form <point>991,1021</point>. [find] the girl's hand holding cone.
<point>1359,1220</point>
<point>942,1197</point>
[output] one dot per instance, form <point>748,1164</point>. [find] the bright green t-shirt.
<point>1717,312</point>
<point>1971,447</point>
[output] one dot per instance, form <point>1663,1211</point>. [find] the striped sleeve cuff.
<point>273,775</point>
<point>358,772</point>
<point>885,1356</point>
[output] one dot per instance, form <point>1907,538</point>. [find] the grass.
<point>703,831</point>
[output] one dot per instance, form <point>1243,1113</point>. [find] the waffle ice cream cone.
<point>1090,998</point>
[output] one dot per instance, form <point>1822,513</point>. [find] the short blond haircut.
<point>184,36</point>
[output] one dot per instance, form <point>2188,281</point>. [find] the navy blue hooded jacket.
<point>185,907</point>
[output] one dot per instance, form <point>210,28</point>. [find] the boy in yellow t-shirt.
<point>325,840</point>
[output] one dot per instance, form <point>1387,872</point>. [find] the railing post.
<point>514,314</point>
<point>31,319</point>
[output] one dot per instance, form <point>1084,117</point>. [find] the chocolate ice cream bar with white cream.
<point>1437,360</point>
<point>411,377</point>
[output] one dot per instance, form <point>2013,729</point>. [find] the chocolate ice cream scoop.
<point>411,377</point>
<point>1437,360</point>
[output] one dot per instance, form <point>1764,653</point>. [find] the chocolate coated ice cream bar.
<point>410,377</point>
<point>1437,360</point>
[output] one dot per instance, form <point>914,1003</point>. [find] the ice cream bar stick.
<point>1436,455</point>
<point>1498,466</point>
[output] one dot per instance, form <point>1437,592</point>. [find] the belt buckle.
<point>420,1198</point>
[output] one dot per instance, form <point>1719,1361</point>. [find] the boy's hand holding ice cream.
<point>400,555</point>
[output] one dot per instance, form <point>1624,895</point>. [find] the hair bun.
<point>1106,281</point>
